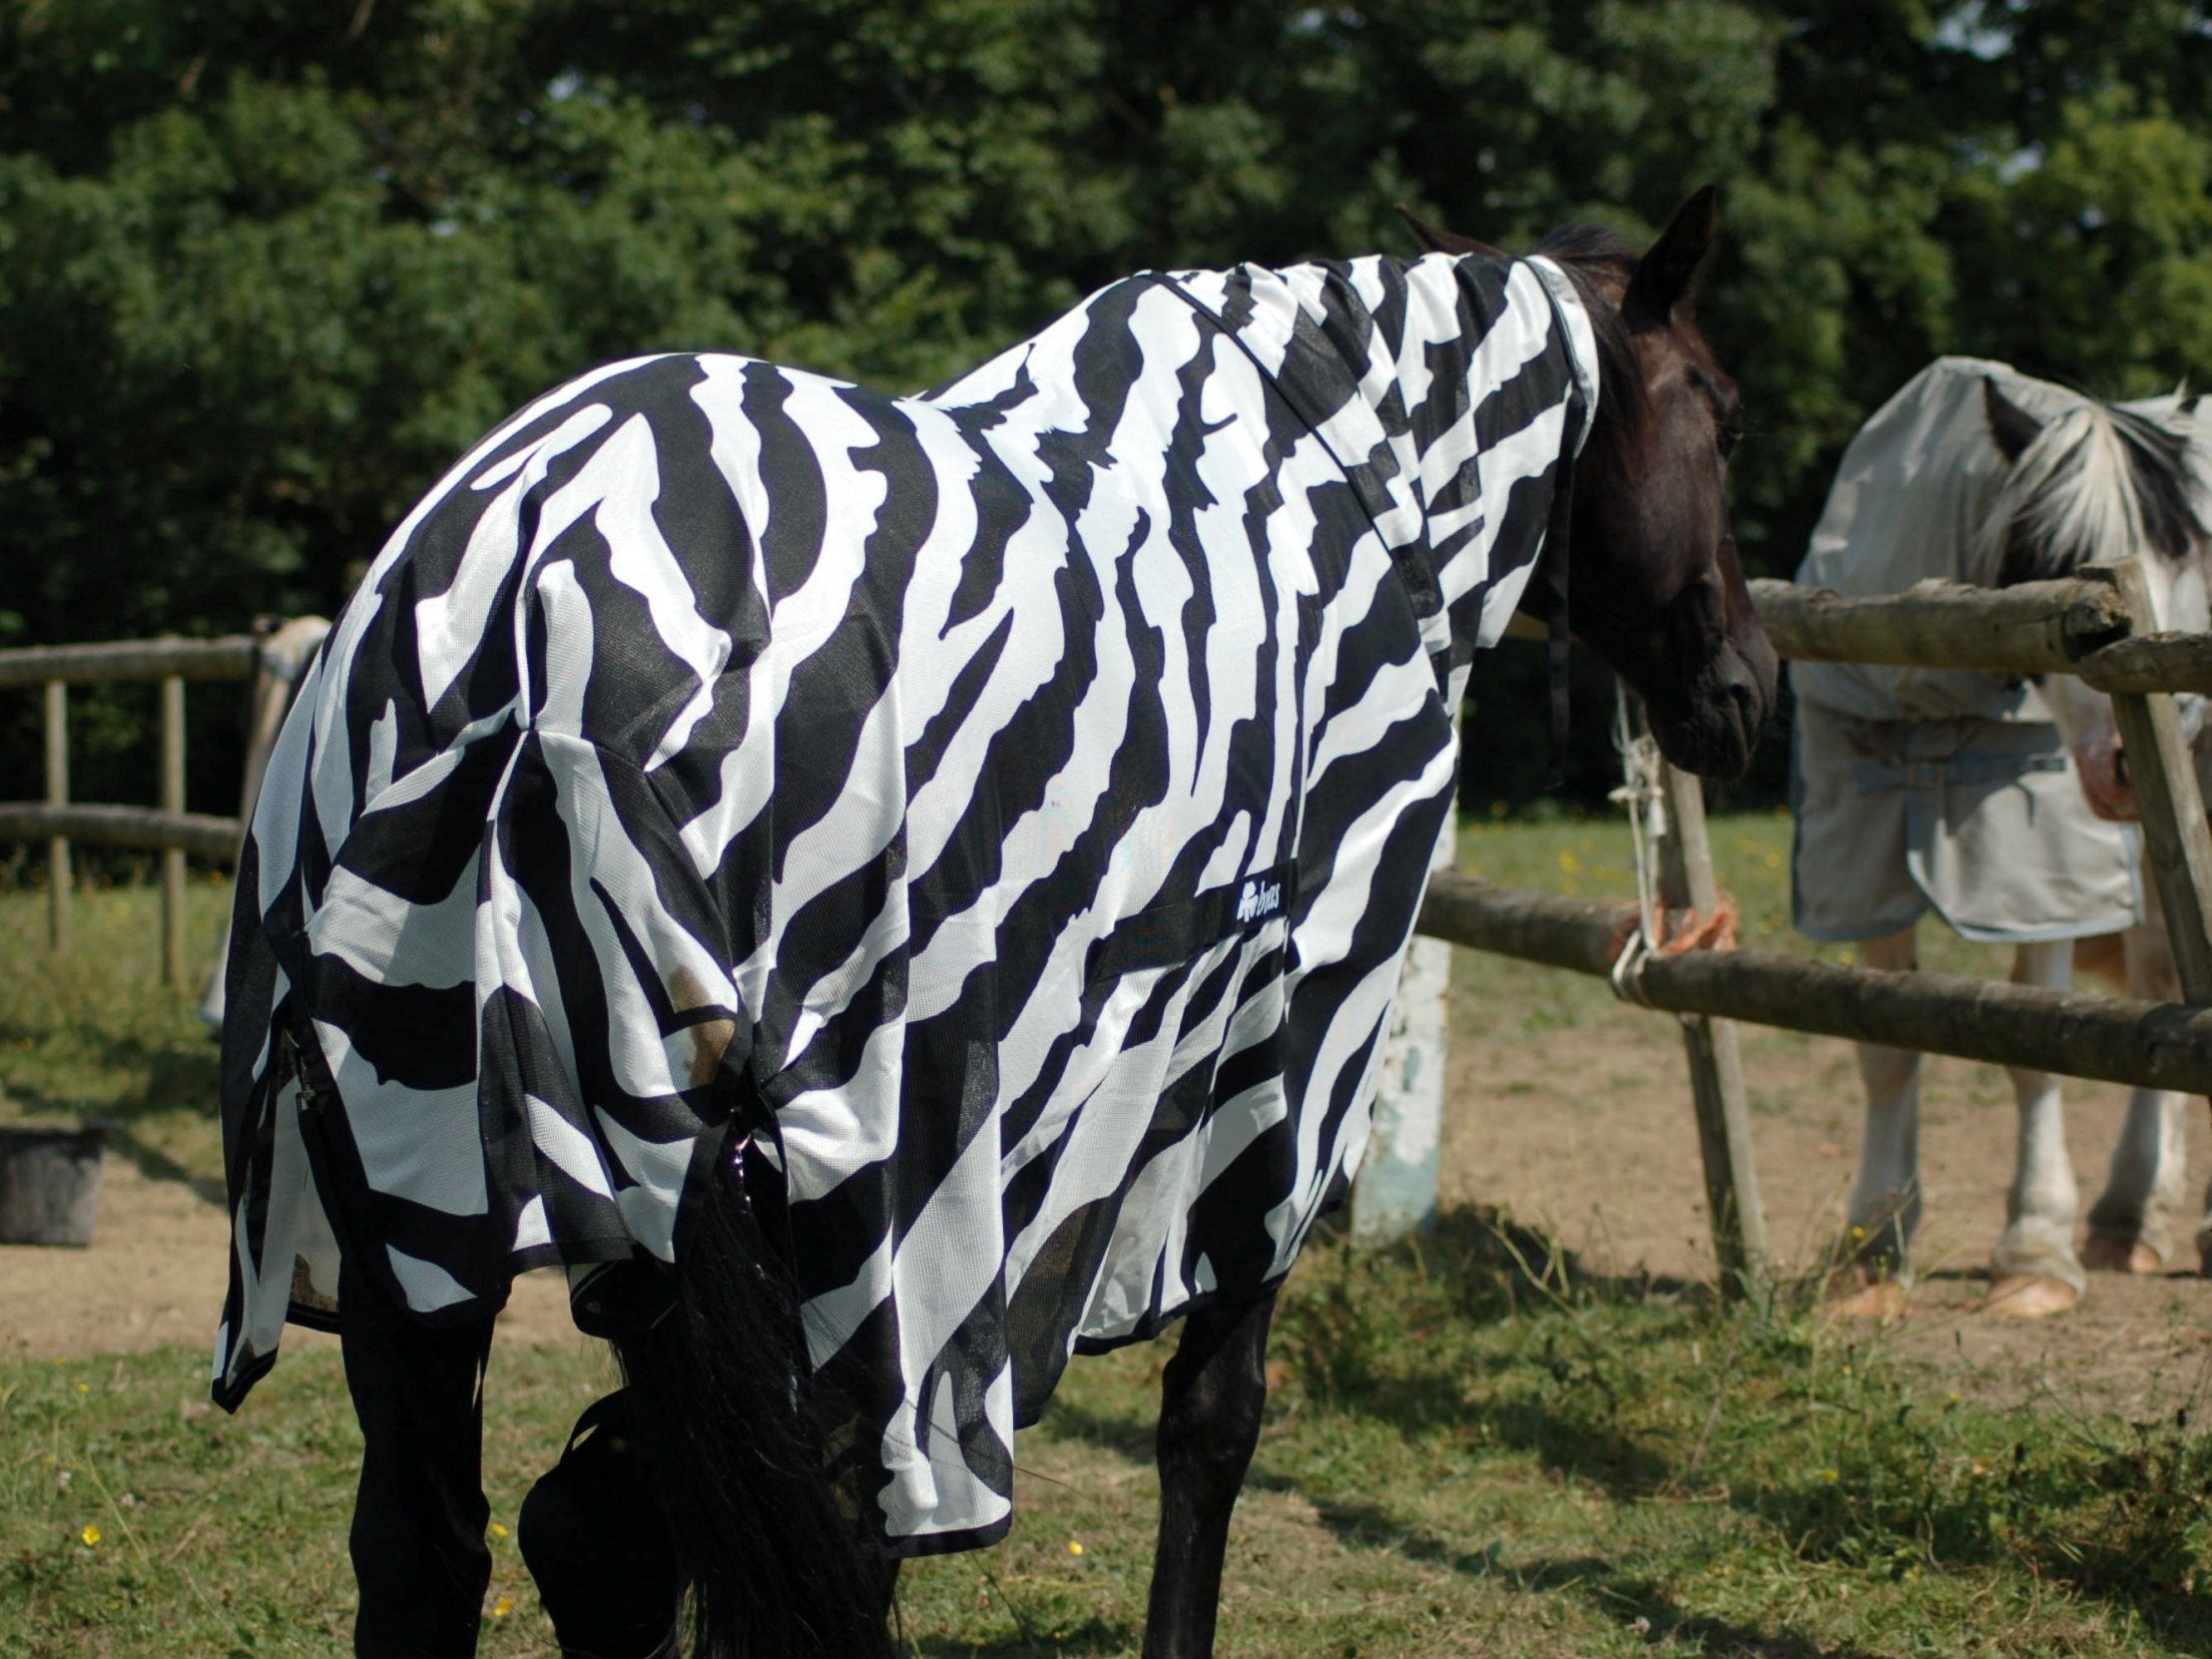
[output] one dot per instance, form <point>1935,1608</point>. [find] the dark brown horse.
<point>1656,589</point>
<point>727,1474</point>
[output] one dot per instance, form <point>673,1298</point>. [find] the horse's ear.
<point>2011,426</point>
<point>1436,240</point>
<point>1663,274</point>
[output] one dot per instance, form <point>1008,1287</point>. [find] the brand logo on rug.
<point>1260,899</point>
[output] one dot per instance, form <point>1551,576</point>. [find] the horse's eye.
<point>1731,436</point>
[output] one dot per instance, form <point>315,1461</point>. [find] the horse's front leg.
<point>2034,1267</point>
<point>1886,1197</point>
<point>1212,1398</point>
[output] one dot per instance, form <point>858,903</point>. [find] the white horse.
<point>1950,791</point>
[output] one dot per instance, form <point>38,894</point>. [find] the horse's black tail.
<point>772,1566</point>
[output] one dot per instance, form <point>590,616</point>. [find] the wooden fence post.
<point>173,857</point>
<point>1715,1062</point>
<point>2175,832</point>
<point>58,875</point>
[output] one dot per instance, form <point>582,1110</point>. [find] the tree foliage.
<point>264,267</point>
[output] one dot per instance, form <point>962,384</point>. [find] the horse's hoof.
<point>2113,1253</point>
<point>1854,1293</point>
<point>2030,1295</point>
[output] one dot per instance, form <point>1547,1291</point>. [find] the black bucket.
<point>49,1184</point>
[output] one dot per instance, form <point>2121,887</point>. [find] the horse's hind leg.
<point>2034,1267</point>
<point>1213,1394</point>
<point>596,1542</point>
<point>1886,1197</point>
<point>2131,1225</point>
<point>418,1516</point>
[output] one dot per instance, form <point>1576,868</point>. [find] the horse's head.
<point>2092,485</point>
<point>1653,582</point>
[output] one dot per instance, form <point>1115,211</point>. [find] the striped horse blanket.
<point>996,816</point>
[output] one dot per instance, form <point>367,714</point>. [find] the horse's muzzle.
<point>1712,725</point>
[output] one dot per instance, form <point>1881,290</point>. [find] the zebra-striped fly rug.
<point>1002,813</point>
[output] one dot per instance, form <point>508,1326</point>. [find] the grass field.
<point>1474,1446</point>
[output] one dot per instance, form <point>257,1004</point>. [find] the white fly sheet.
<point>1918,788</point>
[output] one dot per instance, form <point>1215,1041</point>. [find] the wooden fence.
<point>2080,626</point>
<point>272,660</point>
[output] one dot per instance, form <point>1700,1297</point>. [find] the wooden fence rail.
<point>2080,626</point>
<point>169,829</point>
<point>2077,626</point>
<point>233,657</point>
<point>2113,1040</point>
<point>146,829</point>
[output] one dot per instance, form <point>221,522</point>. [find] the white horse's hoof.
<point>2030,1295</point>
<point>2112,1252</point>
<point>1854,1293</point>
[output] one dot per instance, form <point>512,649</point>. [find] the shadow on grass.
<point>1091,1636</point>
<point>1595,1578</point>
<point>1366,1527</point>
<point>174,1075</point>
<point>1345,1336</point>
<point>157,1165</point>
<point>173,1080</point>
<point>1591,1379</point>
<point>1658,1617</point>
<point>1125,1436</point>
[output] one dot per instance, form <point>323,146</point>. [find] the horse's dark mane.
<point>1584,252</point>
<point>2165,486</point>
<point>2098,483</point>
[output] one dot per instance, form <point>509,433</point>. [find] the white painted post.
<point>1394,1192</point>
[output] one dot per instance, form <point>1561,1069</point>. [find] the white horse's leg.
<point>2204,1232</point>
<point>1886,1197</point>
<point>2131,1225</point>
<point>2036,1269</point>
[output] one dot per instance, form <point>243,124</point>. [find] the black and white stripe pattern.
<point>1008,806</point>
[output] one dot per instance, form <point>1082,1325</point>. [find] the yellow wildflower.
<point>499,1530</point>
<point>90,1535</point>
<point>502,1607</point>
<point>1075,1546</point>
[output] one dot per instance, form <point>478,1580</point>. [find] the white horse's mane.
<point>2098,484</point>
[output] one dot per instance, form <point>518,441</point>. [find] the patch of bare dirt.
<point>155,1274</point>
<point>1577,1120</point>
<point>1580,1125</point>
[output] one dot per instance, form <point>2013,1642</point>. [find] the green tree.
<point>265,268</point>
